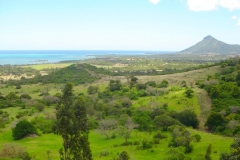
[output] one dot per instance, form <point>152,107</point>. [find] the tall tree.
<point>208,152</point>
<point>71,124</point>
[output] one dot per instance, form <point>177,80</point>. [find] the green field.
<point>173,96</point>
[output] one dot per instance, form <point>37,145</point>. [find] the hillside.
<point>210,45</point>
<point>76,73</point>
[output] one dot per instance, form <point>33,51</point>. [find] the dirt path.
<point>205,103</point>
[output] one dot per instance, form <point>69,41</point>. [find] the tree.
<point>123,156</point>
<point>184,84</point>
<point>163,84</point>
<point>22,129</point>
<point>80,146</point>
<point>48,100</point>
<point>189,92</point>
<point>92,89</point>
<point>115,85</point>
<point>71,124</point>
<point>208,152</point>
<point>107,127</point>
<point>214,120</point>
<point>126,130</point>
<point>164,121</point>
<point>235,151</point>
<point>181,137</point>
<point>40,107</point>
<point>143,119</point>
<point>188,117</point>
<point>238,78</point>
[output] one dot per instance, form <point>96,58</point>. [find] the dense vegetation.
<point>224,90</point>
<point>127,115</point>
<point>77,73</point>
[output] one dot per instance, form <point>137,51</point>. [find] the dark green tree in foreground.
<point>22,129</point>
<point>71,124</point>
<point>208,152</point>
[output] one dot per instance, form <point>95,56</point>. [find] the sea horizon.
<point>25,57</point>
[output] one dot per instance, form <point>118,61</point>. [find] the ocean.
<point>20,57</point>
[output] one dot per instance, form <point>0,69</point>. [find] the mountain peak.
<point>211,45</point>
<point>209,37</point>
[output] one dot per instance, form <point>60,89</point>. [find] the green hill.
<point>76,73</point>
<point>210,45</point>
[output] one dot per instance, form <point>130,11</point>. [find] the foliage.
<point>77,73</point>
<point>188,117</point>
<point>197,137</point>
<point>126,130</point>
<point>11,150</point>
<point>49,100</point>
<point>235,151</point>
<point>163,84</point>
<point>123,156</point>
<point>208,152</point>
<point>4,118</point>
<point>71,124</point>
<point>44,124</point>
<point>189,92</point>
<point>25,96</point>
<point>107,127</point>
<point>181,137</point>
<point>22,129</point>
<point>144,121</point>
<point>176,154</point>
<point>92,89</point>
<point>214,120</point>
<point>40,107</point>
<point>165,121</point>
<point>114,85</point>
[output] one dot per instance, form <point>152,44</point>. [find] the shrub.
<point>159,135</point>
<point>123,156</point>
<point>136,143</point>
<point>40,107</point>
<point>156,140</point>
<point>198,137</point>
<point>25,96</point>
<point>188,117</point>
<point>126,143</point>
<point>11,150</point>
<point>45,125</point>
<point>146,144</point>
<point>22,129</point>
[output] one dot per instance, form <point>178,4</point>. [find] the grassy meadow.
<point>174,97</point>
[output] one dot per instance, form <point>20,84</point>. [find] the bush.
<point>136,143</point>
<point>45,125</point>
<point>159,135</point>
<point>40,107</point>
<point>123,156</point>
<point>126,144</point>
<point>13,151</point>
<point>188,118</point>
<point>22,129</point>
<point>146,144</point>
<point>156,140</point>
<point>198,137</point>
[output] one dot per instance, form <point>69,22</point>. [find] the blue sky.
<point>164,25</point>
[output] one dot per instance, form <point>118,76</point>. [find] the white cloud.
<point>230,4</point>
<point>234,17</point>
<point>154,1</point>
<point>208,5</point>
<point>238,22</point>
<point>202,5</point>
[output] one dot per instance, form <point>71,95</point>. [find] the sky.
<point>153,25</point>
